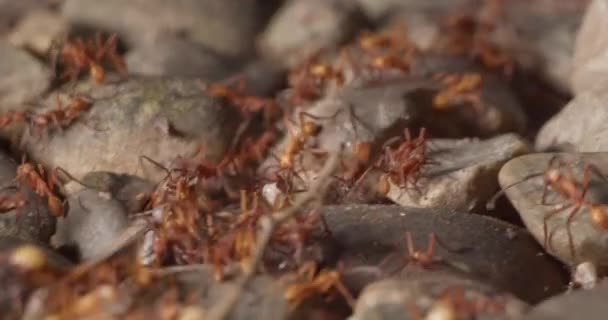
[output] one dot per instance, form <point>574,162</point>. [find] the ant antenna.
<point>491,204</point>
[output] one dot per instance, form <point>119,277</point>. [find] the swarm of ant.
<point>216,214</point>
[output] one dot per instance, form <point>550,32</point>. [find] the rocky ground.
<point>303,159</point>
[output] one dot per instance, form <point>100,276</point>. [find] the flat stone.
<point>590,241</point>
<point>503,255</point>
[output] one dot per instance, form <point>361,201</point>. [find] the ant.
<point>459,88</point>
<point>425,259</point>
<point>309,80</point>
<point>79,55</point>
<point>316,283</point>
<point>246,104</point>
<point>32,177</point>
<point>560,178</point>
<point>403,164</point>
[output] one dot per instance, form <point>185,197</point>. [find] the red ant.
<point>32,177</point>
<point>246,104</point>
<point>560,178</point>
<point>79,55</point>
<point>403,165</point>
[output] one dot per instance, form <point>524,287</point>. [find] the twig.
<point>267,225</point>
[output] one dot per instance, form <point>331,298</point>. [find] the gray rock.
<point>131,191</point>
<point>579,126</point>
<point>37,31</point>
<point>431,294</point>
<point>302,28</point>
<point>590,65</point>
<point>33,222</point>
<point>11,11</point>
<point>503,255</point>
<point>262,77</point>
<point>168,55</point>
<point>225,26</point>
<point>23,77</point>
<point>155,117</point>
<point>91,225</point>
<point>462,175</point>
<point>582,304</point>
<point>589,240</point>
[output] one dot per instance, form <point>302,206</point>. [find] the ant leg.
<point>546,218</point>
<point>575,211</point>
<point>543,200</point>
<point>348,296</point>
<point>410,244</point>
<point>430,250</point>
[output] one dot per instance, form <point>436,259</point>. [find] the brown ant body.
<point>316,283</point>
<point>460,88</point>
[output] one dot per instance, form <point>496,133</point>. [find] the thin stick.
<point>267,225</point>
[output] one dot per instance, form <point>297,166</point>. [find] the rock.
<point>24,268</point>
<point>581,304</point>
<point>262,299</point>
<point>262,77</point>
<point>129,190</point>
<point>378,9</point>
<point>303,27</point>
<point>23,77</point>
<point>541,36</point>
<point>225,27</point>
<point>38,30</point>
<point>584,117</point>
<point>155,117</point>
<point>9,244</point>
<point>484,248</point>
<point>168,55</point>
<point>462,175</point>
<point>499,109</point>
<point>91,225</point>
<point>589,66</point>
<point>589,240</point>
<point>11,11</point>
<point>33,222</point>
<point>431,295</point>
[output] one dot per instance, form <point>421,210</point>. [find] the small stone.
<point>22,78</point>
<point>585,275</point>
<point>581,304</point>
<point>590,240</point>
<point>38,30</point>
<point>131,191</point>
<point>303,27</point>
<point>462,174</point>
<point>91,224</point>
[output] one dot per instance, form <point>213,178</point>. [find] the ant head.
<point>599,215</point>
<point>310,128</point>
